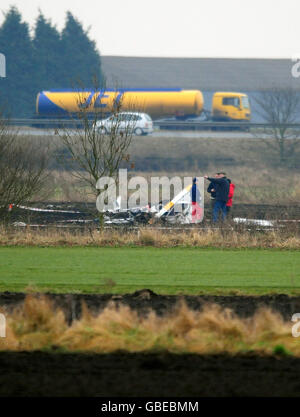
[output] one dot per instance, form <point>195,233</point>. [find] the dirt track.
<point>139,375</point>
<point>62,213</point>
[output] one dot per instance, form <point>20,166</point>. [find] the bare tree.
<point>23,165</point>
<point>280,109</point>
<point>93,152</point>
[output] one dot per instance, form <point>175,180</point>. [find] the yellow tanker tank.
<point>156,102</point>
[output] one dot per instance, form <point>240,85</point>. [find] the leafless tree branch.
<point>23,166</point>
<point>280,108</point>
<point>92,152</point>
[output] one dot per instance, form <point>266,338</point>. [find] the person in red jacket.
<point>230,195</point>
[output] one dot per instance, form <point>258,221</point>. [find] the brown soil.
<point>140,375</point>
<point>87,211</point>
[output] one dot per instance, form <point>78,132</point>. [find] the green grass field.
<point>167,270</point>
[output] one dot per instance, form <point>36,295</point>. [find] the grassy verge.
<point>238,237</point>
<point>37,326</point>
<point>163,270</point>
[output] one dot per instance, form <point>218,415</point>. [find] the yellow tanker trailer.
<point>174,102</point>
<point>157,103</point>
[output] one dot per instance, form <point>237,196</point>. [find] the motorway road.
<point>157,133</point>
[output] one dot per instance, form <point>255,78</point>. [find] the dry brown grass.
<point>250,163</point>
<point>264,185</point>
<point>218,238</point>
<point>37,326</point>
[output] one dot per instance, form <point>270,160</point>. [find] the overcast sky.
<point>179,28</point>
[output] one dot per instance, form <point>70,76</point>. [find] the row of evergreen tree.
<point>46,60</point>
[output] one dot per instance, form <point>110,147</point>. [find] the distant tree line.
<point>44,59</point>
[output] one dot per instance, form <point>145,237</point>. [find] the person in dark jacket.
<point>221,186</point>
